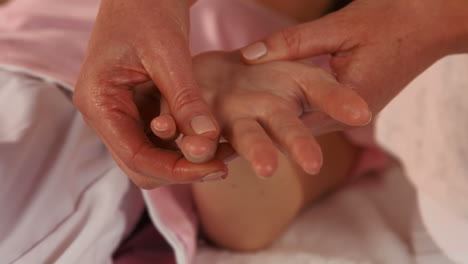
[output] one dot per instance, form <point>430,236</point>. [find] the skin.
<point>244,204</point>
<point>134,42</point>
<point>250,100</point>
<point>300,10</point>
<point>257,117</point>
<point>377,47</point>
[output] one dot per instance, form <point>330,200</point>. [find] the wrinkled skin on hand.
<point>134,42</point>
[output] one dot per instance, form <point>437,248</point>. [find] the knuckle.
<point>292,40</point>
<point>185,98</point>
<point>260,146</point>
<point>82,104</point>
<point>181,174</point>
<point>291,132</point>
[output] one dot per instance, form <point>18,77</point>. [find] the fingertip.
<point>265,166</point>
<point>308,156</point>
<point>264,171</point>
<point>357,114</point>
<point>312,166</point>
<point>346,106</point>
<point>254,51</point>
<point>164,126</point>
<point>198,149</point>
<point>188,172</point>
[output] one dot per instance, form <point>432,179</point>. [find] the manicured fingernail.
<point>214,176</point>
<point>254,51</point>
<point>202,124</point>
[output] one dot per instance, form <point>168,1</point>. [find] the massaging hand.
<point>134,42</point>
<point>259,107</point>
<point>377,47</point>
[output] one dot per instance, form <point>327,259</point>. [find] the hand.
<point>377,47</point>
<point>260,106</point>
<point>134,42</point>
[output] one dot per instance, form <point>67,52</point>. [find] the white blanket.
<point>373,221</point>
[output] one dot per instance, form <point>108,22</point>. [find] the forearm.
<point>446,24</point>
<point>459,20</point>
<point>244,212</point>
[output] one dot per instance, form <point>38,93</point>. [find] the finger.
<point>323,91</point>
<point>320,123</point>
<point>117,121</point>
<point>171,70</point>
<point>322,36</point>
<point>251,141</point>
<point>164,125</point>
<point>225,151</point>
<point>197,149</point>
<point>295,138</point>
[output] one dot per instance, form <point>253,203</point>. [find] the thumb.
<point>171,71</point>
<point>323,36</point>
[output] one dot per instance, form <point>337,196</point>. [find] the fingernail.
<point>312,167</point>
<point>254,51</point>
<point>359,114</point>
<point>202,124</point>
<point>160,126</point>
<point>370,118</point>
<point>214,176</point>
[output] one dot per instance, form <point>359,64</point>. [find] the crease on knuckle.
<point>180,174</point>
<point>260,146</point>
<point>293,41</point>
<point>132,161</point>
<point>184,98</point>
<point>291,132</point>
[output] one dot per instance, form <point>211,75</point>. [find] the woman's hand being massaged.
<point>259,108</point>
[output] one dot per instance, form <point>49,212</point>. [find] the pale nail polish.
<point>202,124</point>
<point>254,51</point>
<point>214,176</point>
